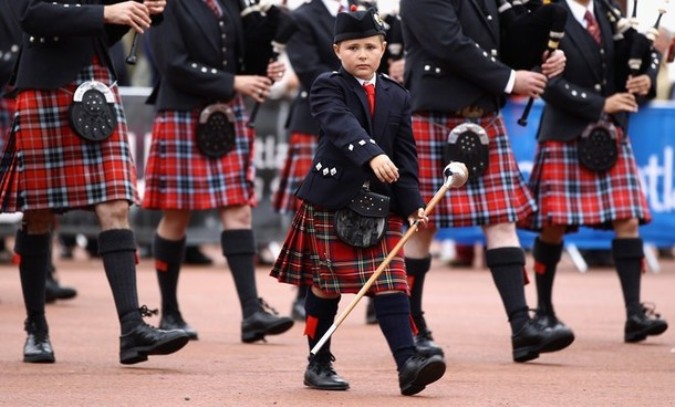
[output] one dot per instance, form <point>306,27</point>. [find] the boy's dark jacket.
<point>350,138</point>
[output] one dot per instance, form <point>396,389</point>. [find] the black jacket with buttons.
<point>60,38</point>
<point>452,55</point>
<point>349,138</point>
<point>198,55</point>
<point>577,97</point>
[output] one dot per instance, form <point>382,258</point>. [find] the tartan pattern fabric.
<point>301,149</point>
<point>178,176</point>
<point>569,194</point>
<point>500,195</point>
<point>313,255</point>
<point>45,165</point>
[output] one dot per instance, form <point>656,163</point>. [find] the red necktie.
<point>370,92</point>
<point>593,27</point>
<point>215,7</point>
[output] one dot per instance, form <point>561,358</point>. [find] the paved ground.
<point>463,310</point>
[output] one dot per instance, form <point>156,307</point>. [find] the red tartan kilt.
<point>500,195</point>
<point>178,176</point>
<point>313,255</point>
<point>569,194</point>
<point>301,149</point>
<point>46,165</point>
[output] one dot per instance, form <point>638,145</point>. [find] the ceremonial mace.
<point>456,175</point>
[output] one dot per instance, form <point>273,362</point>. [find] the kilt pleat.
<point>569,194</point>
<point>178,176</point>
<point>48,166</point>
<point>313,255</point>
<point>500,195</point>
<point>301,150</point>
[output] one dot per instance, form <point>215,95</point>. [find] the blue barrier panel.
<point>652,133</point>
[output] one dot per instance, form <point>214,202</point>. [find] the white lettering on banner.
<point>654,176</point>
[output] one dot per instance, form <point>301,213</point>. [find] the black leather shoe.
<point>173,321</point>
<point>321,375</point>
<point>37,348</point>
<point>145,340</point>
<point>264,322</point>
<point>646,323</point>
<point>54,291</point>
<point>371,319</point>
<point>195,257</point>
<point>419,371</point>
<point>533,339</point>
<point>425,344</point>
<point>548,320</point>
<point>298,310</point>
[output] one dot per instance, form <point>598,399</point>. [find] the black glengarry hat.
<point>357,24</point>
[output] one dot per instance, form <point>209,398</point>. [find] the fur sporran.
<point>363,222</point>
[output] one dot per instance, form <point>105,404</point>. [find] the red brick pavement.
<point>463,310</point>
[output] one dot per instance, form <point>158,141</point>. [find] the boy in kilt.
<point>365,141</point>
<point>51,165</point>
<point>201,51</point>
<point>456,79</point>
<point>310,54</point>
<point>570,194</point>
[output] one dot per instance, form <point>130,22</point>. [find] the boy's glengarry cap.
<point>357,24</point>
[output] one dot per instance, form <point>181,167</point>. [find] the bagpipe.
<point>268,28</point>
<point>538,23</point>
<point>633,49</point>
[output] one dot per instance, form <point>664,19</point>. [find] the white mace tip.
<point>458,173</point>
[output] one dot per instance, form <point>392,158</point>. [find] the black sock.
<point>117,247</point>
<point>393,315</point>
<point>507,267</point>
<point>239,249</point>
<point>417,269</point>
<point>546,259</point>
<point>628,257</point>
<point>320,317</point>
<point>168,259</point>
<point>35,260</point>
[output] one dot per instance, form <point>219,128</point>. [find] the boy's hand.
<point>384,169</point>
<point>620,102</point>
<point>639,85</point>
<point>554,63</point>
<point>418,216</point>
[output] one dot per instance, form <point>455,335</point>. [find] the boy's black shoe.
<point>425,344</point>
<point>419,371</point>
<point>145,340</point>
<point>321,375</point>
<point>642,324</point>
<point>37,348</point>
<point>533,339</point>
<point>173,321</point>
<point>548,320</point>
<point>264,322</point>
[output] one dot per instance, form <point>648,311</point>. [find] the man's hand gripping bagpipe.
<point>139,15</point>
<point>540,23</point>
<point>455,175</point>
